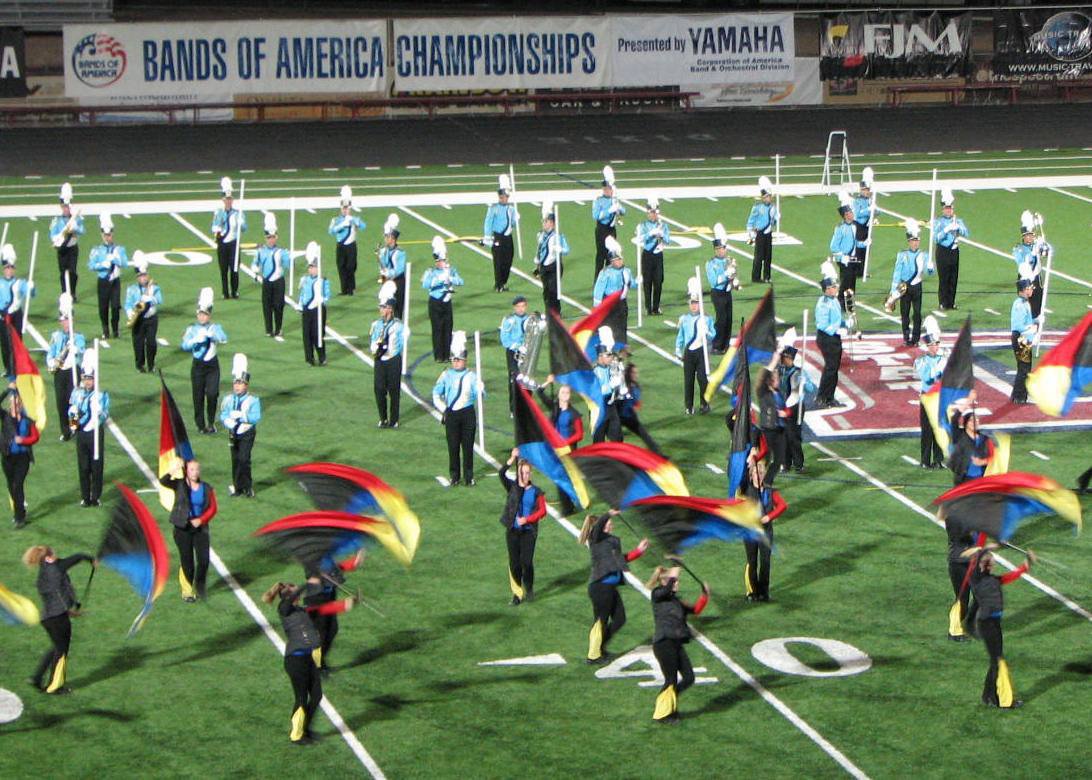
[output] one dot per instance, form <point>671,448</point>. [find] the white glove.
<point>614,207</point>
<point>30,286</point>
<point>843,332</point>
<point>952,227</point>
<point>867,242</point>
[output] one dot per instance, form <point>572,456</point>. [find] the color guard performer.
<point>1024,327</point>
<point>58,602</point>
<point>270,266</point>
<point>18,434</point>
<point>524,506</point>
<point>228,225</point>
<point>107,260</point>
<point>549,264</point>
<point>669,639</point>
<point>972,449</point>
<point>611,279</point>
<point>344,228</point>
<point>240,414</point>
<point>771,416</point>
<point>829,327</point>
<point>569,424</point>
<point>500,221</point>
<point>392,262</point>
<point>512,336</point>
<point>911,267</point>
<point>695,334</point>
<point>761,224</point>
<point>653,235</point>
<point>1030,256</point>
<point>720,270</point>
<point>929,369</point>
<point>844,249</point>
<point>961,615</point>
<point>758,488</point>
<point>13,296</point>
<point>142,301</point>
<point>65,231</point>
<point>608,567</point>
<point>628,406</point>
<point>607,213</point>
<point>455,396</point>
<point>63,359</point>
<point>200,340</point>
<point>193,509</point>
<point>314,293</point>
<point>88,411</point>
<point>997,691</point>
<point>947,230</point>
<point>387,341</point>
<point>440,282</point>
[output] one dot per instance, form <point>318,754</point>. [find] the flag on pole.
<point>586,331</point>
<point>1064,372</point>
<point>541,445</point>
<point>741,424</point>
<point>998,505</point>
<point>16,610</point>
<point>623,473</point>
<point>174,444</point>
<point>317,539</point>
<point>28,381</point>
<point>758,334</point>
<point>681,522</point>
<point>570,366</point>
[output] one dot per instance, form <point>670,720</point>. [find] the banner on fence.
<point>210,61</point>
<point>13,62</point>
<point>803,90</point>
<point>699,50</point>
<point>1042,44</point>
<point>886,44</point>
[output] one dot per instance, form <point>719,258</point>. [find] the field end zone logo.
<point>98,60</point>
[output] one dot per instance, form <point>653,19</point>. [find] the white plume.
<point>139,263</point>
<point>439,248</point>
<point>270,223</point>
<point>764,184</point>
<point>608,175</point>
<point>66,193</point>
<point>7,254</point>
<point>788,338</point>
<point>458,343</point>
<point>653,203</point>
<point>504,183</point>
<point>225,186</point>
<point>913,229</point>
<point>868,176</point>
<point>313,252</point>
<point>239,366</point>
<point>90,362</point>
<point>845,199</point>
<point>205,299</point>
<point>547,208</point>
<point>106,222</point>
<point>693,288</point>
<point>64,304</point>
<point>1027,222</point>
<point>614,249</point>
<point>931,327</point>
<point>390,224</point>
<point>828,270</point>
<point>387,291</point>
<point>720,234</point>
<point>947,197</point>
<point>606,337</point>
<point>346,195</point>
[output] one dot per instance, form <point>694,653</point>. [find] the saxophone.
<point>140,308</point>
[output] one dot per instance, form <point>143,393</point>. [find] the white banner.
<point>211,61</point>
<point>480,53</point>
<point>804,90</point>
<point>651,51</point>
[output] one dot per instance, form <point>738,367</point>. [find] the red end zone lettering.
<point>880,389</point>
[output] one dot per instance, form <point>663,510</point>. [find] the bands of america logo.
<point>98,60</point>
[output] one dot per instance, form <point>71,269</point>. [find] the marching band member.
<point>759,489</point>
<point>387,339</point>
<point>513,333</point>
<point>721,273</point>
<point>107,260</point>
<point>695,333</point>
<point>1029,256</point>
<point>929,368</point>
<point>228,225</point>
<point>997,691</point>
<point>193,509</point>
<point>1023,327</point>
<point>552,247</point>
<point>669,639</point>
<point>653,235</point>
<point>88,410</point>
<point>240,414</point>
<point>911,266</point>
<point>392,262</point>
<point>829,327</point>
<point>142,301</point>
<point>608,567</point>
<point>344,228</point>
<point>611,279</point>
<point>524,506</point>
<point>18,434</point>
<point>761,224</point>
<point>440,282</point>
<point>455,396</point>
<point>65,351</point>
<point>270,266</point>
<point>863,208</point>
<point>500,221</point>
<point>65,231</point>
<point>58,601</point>
<point>200,340</point>
<point>610,372</point>
<point>947,230</point>
<point>313,295</point>
<point>13,296</point>
<point>843,248</point>
<point>790,383</point>
<point>630,404</point>
<point>607,213</point>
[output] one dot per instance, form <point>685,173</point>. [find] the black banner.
<point>1042,44</point>
<point>13,62</point>
<point>890,45</point>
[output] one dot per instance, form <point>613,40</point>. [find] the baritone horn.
<point>534,333</point>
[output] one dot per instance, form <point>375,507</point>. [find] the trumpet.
<point>73,422</point>
<point>893,298</point>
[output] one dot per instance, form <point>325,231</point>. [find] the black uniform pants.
<point>848,274</point>
<point>193,555</point>
<point>831,347</point>
<point>346,267</point>
<point>229,274</point>
<point>989,630</point>
<point>931,454</point>
<point>1020,384</point>
<point>511,359</point>
<point>205,382</point>
<point>241,447</point>
<point>326,625</point>
<point>59,629</point>
<point>144,343</point>
<point>760,265</point>
<point>947,275</point>
<point>311,343</point>
<point>611,428</point>
<point>400,296</point>
<point>521,557</point>
<point>775,440</point>
<point>652,276</point>
<point>1036,299</point>
<point>631,422</point>
<point>601,254</point>
<point>62,390</point>
<point>693,367</point>
<point>758,564</point>
<point>618,321</point>
<point>794,450</point>
<point>461,425</point>
<point>109,306</point>
<point>722,305</point>
<point>6,354</point>
<point>608,609</point>
<point>306,685</point>
<point>441,317</point>
<point>68,267</point>
<point>957,573</point>
<point>388,388</point>
<point>862,235</point>
<point>90,469</point>
<point>911,300</point>
<point>273,306</point>
<point>503,249</point>
<point>16,466</point>
<point>551,298</point>
<point>674,663</point>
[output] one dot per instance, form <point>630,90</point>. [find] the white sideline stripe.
<point>907,458</point>
<point>1039,455</point>
<point>1070,194</point>
<point>992,311</point>
<point>928,515</point>
<point>244,598</point>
